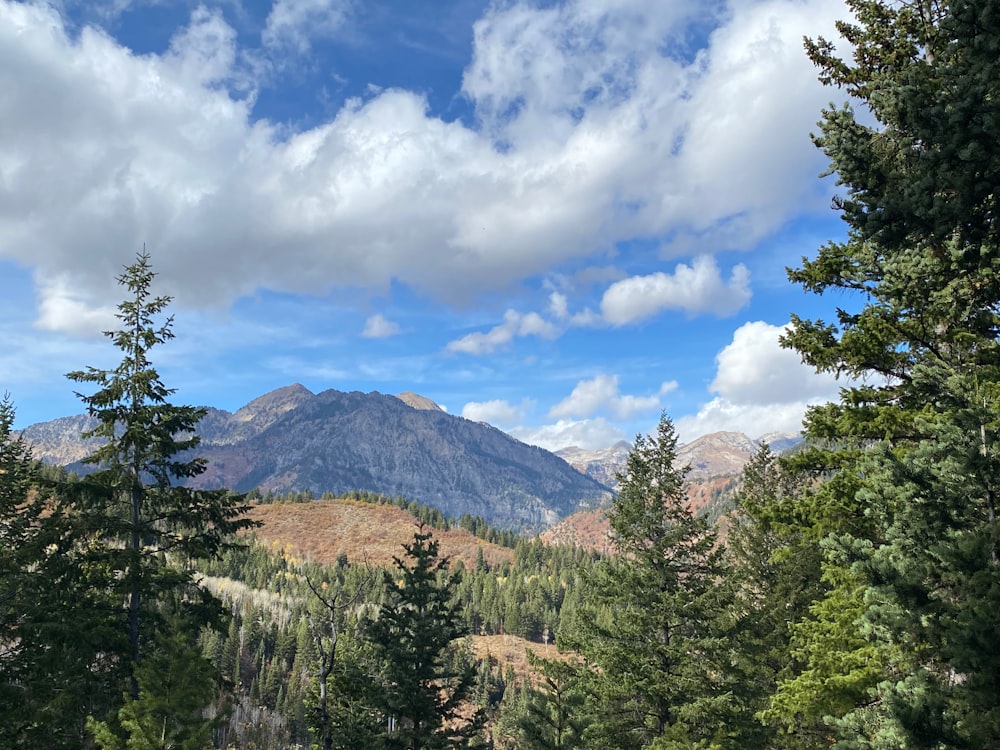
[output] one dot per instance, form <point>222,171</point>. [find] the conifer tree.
<point>553,717</point>
<point>134,514</point>
<point>776,567</point>
<point>176,684</point>
<point>914,438</point>
<point>652,629</point>
<point>53,604</point>
<point>423,696</point>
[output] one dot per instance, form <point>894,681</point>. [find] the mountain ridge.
<point>334,442</point>
<point>291,439</point>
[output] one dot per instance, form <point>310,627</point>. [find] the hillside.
<point>717,454</point>
<point>323,529</point>
<point>590,529</point>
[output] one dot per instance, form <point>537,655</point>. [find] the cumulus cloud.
<point>379,327</point>
<point>601,394</point>
<point>497,412</point>
<point>514,324</point>
<point>759,387</point>
<point>589,434</point>
<point>695,289</point>
<point>594,124</point>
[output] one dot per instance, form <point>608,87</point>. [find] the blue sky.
<point>559,218</point>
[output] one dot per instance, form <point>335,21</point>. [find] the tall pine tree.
<point>424,696</point>
<point>55,636</point>
<point>916,435</point>
<point>652,628</point>
<point>134,515</point>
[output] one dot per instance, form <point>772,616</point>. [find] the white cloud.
<point>755,369</point>
<point>498,413</point>
<point>63,309</point>
<point>378,327</point>
<point>589,434</point>
<point>760,387</point>
<point>601,394</point>
<point>695,289</point>
<point>590,131</point>
<point>295,23</point>
<point>514,324</point>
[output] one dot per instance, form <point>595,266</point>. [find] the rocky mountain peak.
<point>274,403</point>
<point>417,401</point>
<point>293,440</point>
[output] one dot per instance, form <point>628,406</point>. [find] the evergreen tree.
<point>341,717</point>
<point>54,669</point>
<point>776,566</point>
<point>135,518</point>
<point>176,685</point>
<point>653,628</point>
<point>553,716</point>
<point>423,694</point>
<point>915,435</point>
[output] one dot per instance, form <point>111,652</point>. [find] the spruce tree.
<point>776,567</point>
<point>54,669</point>
<point>553,717</point>
<point>914,435</point>
<point>652,628</point>
<point>424,696</point>
<point>135,516</point>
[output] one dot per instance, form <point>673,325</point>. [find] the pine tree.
<point>553,717</point>
<point>176,684</point>
<point>54,669</point>
<point>914,436</point>
<point>135,518</point>
<point>423,697</point>
<point>776,566</point>
<point>652,629</point>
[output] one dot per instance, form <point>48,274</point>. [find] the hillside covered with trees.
<point>853,602</point>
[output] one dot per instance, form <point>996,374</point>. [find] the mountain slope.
<point>293,440</point>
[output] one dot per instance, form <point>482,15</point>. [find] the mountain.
<point>293,440</point>
<point>718,454</point>
<point>602,465</point>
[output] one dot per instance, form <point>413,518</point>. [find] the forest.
<point>849,598</point>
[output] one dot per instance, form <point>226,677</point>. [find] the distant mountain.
<point>602,465</point>
<point>294,440</point>
<point>718,454</point>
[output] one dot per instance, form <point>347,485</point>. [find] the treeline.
<point>425,514</point>
<point>267,655</point>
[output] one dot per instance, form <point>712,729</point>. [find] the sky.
<point>560,218</point>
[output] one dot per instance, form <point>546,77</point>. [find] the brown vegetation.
<point>589,528</point>
<point>324,529</point>
<point>509,650</point>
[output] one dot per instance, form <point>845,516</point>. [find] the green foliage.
<point>53,604</point>
<point>553,717</point>
<point>653,626</point>
<point>176,688</point>
<point>776,569</point>
<point>132,509</point>
<point>908,509</point>
<point>422,690</point>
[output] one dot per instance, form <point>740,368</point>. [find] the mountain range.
<point>292,440</point>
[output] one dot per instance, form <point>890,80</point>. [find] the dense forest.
<point>850,598</point>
